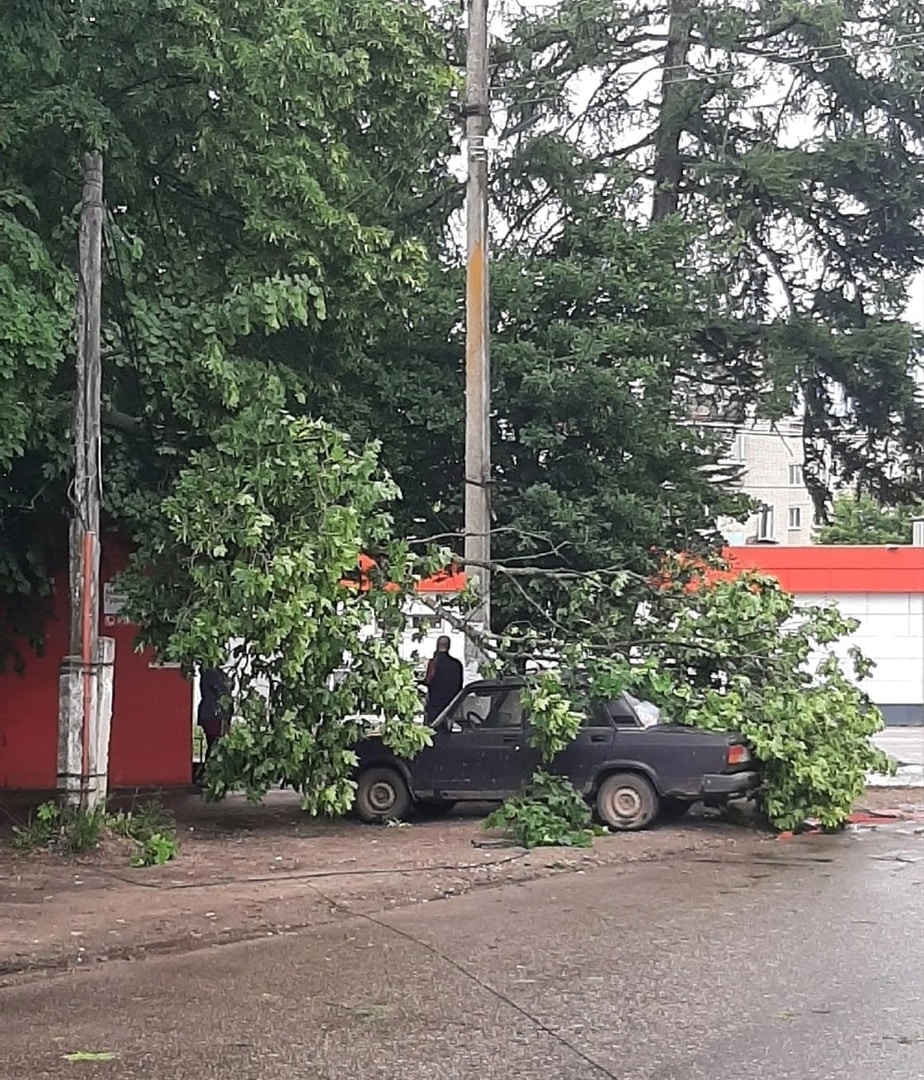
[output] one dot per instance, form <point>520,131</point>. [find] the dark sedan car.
<point>629,766</point>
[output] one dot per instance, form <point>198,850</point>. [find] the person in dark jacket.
<point>443,679</point>
<point>214,715</point>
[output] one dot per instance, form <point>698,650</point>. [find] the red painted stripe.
<point>447,581</point>
<point>817,569</point>
<point>829,569</point>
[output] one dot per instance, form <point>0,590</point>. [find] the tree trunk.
<point>668,165</point>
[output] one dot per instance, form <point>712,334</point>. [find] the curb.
<point>906,776</point>
<point>859,818</point>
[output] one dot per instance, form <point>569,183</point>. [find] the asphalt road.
<point>798,960</point>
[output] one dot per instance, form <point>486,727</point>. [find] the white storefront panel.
<point>891,634</point>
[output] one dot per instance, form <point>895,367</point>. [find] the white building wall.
<point>423,620</point>
<point>772,458</point>
<point>891,634</point>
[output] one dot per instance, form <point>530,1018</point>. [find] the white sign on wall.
<point>113,603</point>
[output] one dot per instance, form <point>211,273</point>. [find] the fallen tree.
<point>711,649</point>
<point>253,546</point>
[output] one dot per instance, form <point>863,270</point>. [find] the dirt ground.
<point>244,871</point>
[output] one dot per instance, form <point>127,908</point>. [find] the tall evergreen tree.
<point>791,138</point>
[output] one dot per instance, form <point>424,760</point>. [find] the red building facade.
<point>151,738</point>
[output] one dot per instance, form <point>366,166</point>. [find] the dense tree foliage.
<point>263,160</point>
<point>690,211</point>
<point>712,650</point>
<point>859,519</point>
<point>593,465</point>
<point>281,206</point>
<point>256,548</point>
<point>738,654</point>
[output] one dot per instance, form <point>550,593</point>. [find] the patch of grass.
<point>143,821</point>
<point>61,828</point>
<point>152,831</point>
<point>70,831</point>
<point>155,850</point>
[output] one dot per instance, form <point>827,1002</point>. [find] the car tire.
<point>434,808</point>
<point>626,802</point>
<point>382,795</point>
<point>673,809</point>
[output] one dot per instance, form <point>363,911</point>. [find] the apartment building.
<point>771,459</point>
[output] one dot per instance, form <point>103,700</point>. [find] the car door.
<point>675,756</point>
<point>481,746</point>
<point>580,760</point>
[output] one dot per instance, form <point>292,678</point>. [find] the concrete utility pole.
<point>477,327</point>
<point>79,693</point>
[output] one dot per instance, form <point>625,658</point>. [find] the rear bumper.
<point>728,785</point>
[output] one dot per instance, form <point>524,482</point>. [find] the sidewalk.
<point>245,871</point>
<point>906,745</point>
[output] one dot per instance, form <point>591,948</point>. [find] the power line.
<point>468,973</point>
<point>908,41</point>
<point>782,58</point>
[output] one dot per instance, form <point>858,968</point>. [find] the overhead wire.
<point>905,42</point>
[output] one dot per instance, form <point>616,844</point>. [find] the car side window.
<point>597,716</point>
<point>489,708</point>
<point>622,713</point>
<point>506,711</point>
<point>471,709</point>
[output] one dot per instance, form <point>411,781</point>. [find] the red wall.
<point>29,713</point>
<point>151,738</point>
<point>834,569</point>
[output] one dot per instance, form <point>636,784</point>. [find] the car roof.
<point>496,684</point>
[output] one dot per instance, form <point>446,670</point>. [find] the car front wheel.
<point>627,801</point>
<point>382,795</point>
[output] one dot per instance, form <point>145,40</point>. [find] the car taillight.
<point>737,755</point>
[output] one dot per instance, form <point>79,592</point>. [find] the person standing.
<point>443,679</point>
<point>214,713</point>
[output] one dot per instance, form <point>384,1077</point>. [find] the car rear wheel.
<point>627,801</point>
<point>382,795</point>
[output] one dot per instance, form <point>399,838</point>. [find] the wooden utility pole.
<point>477,332</point>
<point>78,698</point>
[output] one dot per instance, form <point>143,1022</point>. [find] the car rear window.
<point>648,713</point>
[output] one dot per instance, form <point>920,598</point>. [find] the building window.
<point>765,523</point>
<point>796,479</point>
<point>795,517</point>
<point>736,449</point>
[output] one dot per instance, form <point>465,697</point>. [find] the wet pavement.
<point>799,960</point>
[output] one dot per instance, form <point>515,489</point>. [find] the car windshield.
<point>648,713</point>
